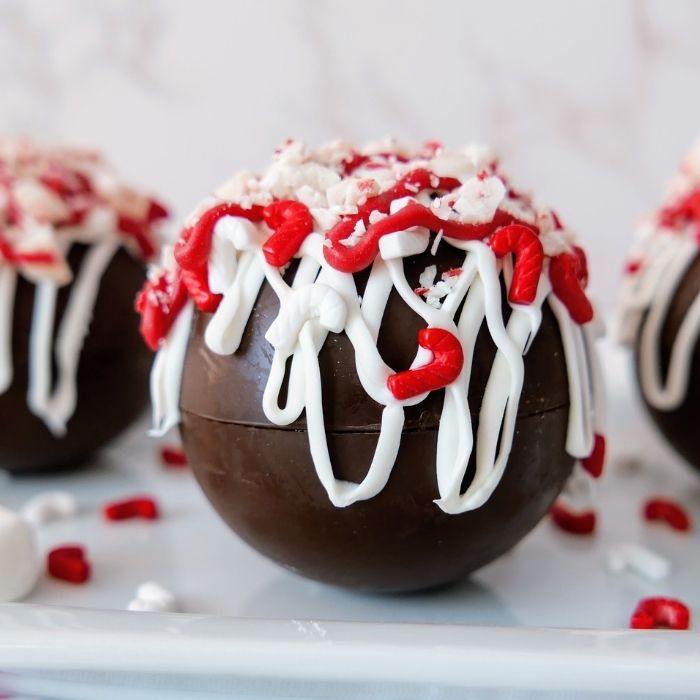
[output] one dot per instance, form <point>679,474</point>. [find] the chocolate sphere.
<point>679,425</point>
<point>112,380</point>
<point>261,478</point>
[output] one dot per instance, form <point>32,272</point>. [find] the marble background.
<point>592,104</point>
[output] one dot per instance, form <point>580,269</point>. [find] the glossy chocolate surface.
<point>112,375</point>
<point>261,479</point>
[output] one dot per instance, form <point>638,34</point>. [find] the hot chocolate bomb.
<point>354,400</point>
<point>73,246</point>
<point>661,305</point>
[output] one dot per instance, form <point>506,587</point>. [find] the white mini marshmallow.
<point>49,506</point>
<point>403,244</point>
<point>640,560</point>
<point>19,557</point>
<point>152,597</point>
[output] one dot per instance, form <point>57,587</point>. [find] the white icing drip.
<point>322,300</point>
<point>166,375</point>
<point>8,284</point>
<point>56,407</point>
<point>579,439</point>
<point>670,395</point>
<point>318,303</point>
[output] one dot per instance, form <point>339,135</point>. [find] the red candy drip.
<point>143,507</point>
<point>595,461</point>
<point>582,523</point>
<point>192,252</point>
<point>447,362</point>
<point>667,511</point>
<point>9,254</point>
<point>568,273</point>
<point>652,613</point>
<point>159,302</point>
<point>525,244</point>
<point>684,212</point>
<point>140,232</point>
<point>173,456</point>
<point>69,563</point>
<point>140,229</point>
<point>291,223</point>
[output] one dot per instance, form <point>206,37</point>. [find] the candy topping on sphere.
<point>340,211</point>
<point>53,201</point>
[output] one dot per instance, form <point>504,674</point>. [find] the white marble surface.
<point>591,103</point>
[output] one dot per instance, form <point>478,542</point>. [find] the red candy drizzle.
<point>668,613</point>
<point>595,461</point>
<point>69,563</point>
<point>192,252</point>
<point>13,257</point>
<point>143,507</point>
<point>568,273</point>
<point>684,212</point>
<point>159,302</point>
<point>447,362</point>
<point>353,244</point>
<point>581,523</point>
<point>525,244</point>
<point>291,223</point>
<point>357,257</point>
<point>667,511</point>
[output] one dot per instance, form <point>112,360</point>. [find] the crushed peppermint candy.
<point>434,292</point>
<point>49,191</point>
<point>356,236</point>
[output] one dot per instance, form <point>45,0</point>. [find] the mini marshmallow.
<point>152,597</point>
<point>402,244</point>
<point>20,563</point>
<point>640,560</point>
<point>49,506</point>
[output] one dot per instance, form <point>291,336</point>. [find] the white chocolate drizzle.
<point>55,405</point>
<point>322,300</point>
<point>51,199</point>
<point>659,263</point>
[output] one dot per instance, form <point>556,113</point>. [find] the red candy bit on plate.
<point>665,613</point>
<point>595,461</point>
<point>582,523</point>
<point>69,563</point>
<point>447,362</point>
<point>669,512</point>
<point>143,507</point>
<point>525,244</point>
<point>568,273</point>
<point>173,456</point>
<point>291,223</point>
<point>159,302</point>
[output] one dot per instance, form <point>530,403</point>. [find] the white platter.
<point>547,617</point>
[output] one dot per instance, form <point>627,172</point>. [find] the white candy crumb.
<point>639,560</point>
<point>152,597</point>
<point>436,243</point>
<point>427,277</point>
